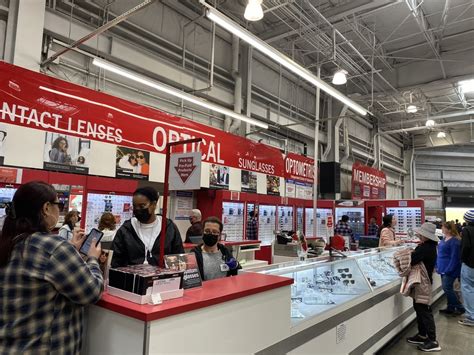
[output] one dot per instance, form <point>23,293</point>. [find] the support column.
<point>25,33</point>
<point>409,179</point>
<point>246,65</point>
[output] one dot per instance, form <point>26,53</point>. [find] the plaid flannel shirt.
<point>252,229</point>
<point>343,229</point>
<point>373,229</point>
<point>43,290</point>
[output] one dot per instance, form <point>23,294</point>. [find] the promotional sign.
<point>299,167</point>
<point>368,183</point>
<point>11,175</point>
<point>34,100</point>
<point>66,153</point>
<point>273,185</point>
<point>188,264</point>
<point>132,163</point>
<point>185,171</point>
<point>248,180</point>
<point>219,176</point>
<point>290,188</point>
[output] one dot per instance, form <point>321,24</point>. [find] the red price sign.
<point>330,222</point>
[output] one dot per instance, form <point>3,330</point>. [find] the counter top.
<point>212,292</point>
<point>243,242</point>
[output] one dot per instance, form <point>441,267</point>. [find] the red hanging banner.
<point>368,183</point>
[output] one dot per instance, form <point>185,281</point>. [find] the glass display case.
<point>378,268</point>
<point>321,286</point>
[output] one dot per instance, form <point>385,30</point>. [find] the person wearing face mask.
<point>44,281</point>
<point>138,240</point>
<point>214,259</point>
<point>196,225</point>
<point>70,221</point>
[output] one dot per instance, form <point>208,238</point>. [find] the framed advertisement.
<point>132,163</point>
<point>66,153</point>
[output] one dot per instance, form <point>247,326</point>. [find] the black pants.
<point>425,320</point>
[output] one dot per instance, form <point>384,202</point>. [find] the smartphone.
<point>93,234</point>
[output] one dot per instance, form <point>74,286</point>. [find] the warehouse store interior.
<point>300,113</point>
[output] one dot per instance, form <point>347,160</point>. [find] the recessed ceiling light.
<point>253,11</point>
<point>441,135</point>
<point>466,86</point>
<point>411,109</point>
<point>339,77</point>
<point>429,123</point>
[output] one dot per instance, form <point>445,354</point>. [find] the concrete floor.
<point>454,338</point>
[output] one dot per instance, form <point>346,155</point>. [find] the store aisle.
<point>454,339</point>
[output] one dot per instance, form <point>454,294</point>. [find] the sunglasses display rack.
<point>407,218</point>
<point>356,218</point>
<point>285,218</point>
<point>119,205</point>
<point>233,219</point>
<point>321,286</point>
<point>266,224</point>
<point>299,219</point>
<point>321,217</point>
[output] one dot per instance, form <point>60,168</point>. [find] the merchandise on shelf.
<point>266,223</point>
<point>321,217</point>
<point>356,219</point>
<point>408,218</point>
<point>299,219</point>
<point>233,219</point>
<point>285,218</point>
<point>119,205</point>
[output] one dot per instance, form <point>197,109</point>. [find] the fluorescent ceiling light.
<point>411,109</point>
<point>175,92</point>
<point>429,123</point>
<point>253,11</point>
<point>280,58</point>
<point>441,135</point>
<point>339,77</point>
<point>466,86</point>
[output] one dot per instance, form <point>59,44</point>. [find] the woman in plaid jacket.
<point>44,281</point>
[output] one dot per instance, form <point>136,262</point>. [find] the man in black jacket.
<point>467,269</point>
<point>138,240</point>
<point>214,260</point>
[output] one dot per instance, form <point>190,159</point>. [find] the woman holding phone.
<point>44,281</point>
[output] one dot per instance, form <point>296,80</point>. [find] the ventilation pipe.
<point>347,148</point>
<point>232,125</point>
<point>336,133</point>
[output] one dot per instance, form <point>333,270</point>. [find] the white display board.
<point>285,218</point>
<point>233,219</point>
<point>119,205</point>
<point>321,217</point>
<point>266,223</point>
<point>356,218</point>
<point>407,218</point>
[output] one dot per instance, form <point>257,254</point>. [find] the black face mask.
<point>210,239</point>
<point>142,214</point>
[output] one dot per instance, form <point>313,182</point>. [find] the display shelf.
<point>378,267</point>
<point>407,218</point>
<point>119,205</point>
<point>266,224</point>
<point>321,217</point>
<point>356,218</point>
<point>233,218</point>
<point>321,286</point>
<point>285,218</point>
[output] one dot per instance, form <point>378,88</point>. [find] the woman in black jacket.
<point>138,240</point>
<point>214,260</point>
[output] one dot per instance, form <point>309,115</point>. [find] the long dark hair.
<point>24,216</point>
<point>58,140</point>
<point>387,222</point>
<point>68,218</point>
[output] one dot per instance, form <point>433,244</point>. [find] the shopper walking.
<point>467,269</point>
<point>448,265</point>
<point>44,282</point>
<point>387,236</point>
<point>424,258</point>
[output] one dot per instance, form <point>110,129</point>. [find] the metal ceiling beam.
<point>434,118</point>
<point>413,129</point>
<point>420,18</point>
<point>99,30</point>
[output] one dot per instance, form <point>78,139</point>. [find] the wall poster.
<point>273,185</point>
<point>66,153</point>
<point>218,176</point>
<point>132,163</point>
<point>248,181</point>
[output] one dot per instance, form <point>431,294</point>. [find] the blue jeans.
<point>467,289</point>
<point>453,302</point>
